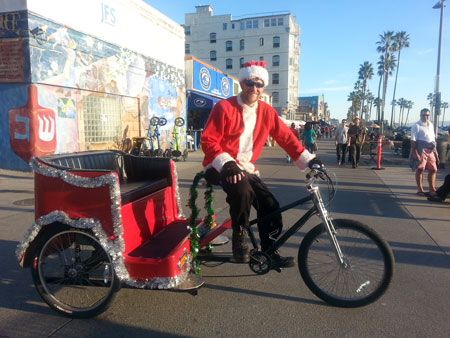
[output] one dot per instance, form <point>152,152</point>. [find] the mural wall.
<point>92,93</point>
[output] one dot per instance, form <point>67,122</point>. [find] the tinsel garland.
<point>208,223</point>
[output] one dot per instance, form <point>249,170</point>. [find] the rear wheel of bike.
<point>73,273</point>
<point>364,275</point>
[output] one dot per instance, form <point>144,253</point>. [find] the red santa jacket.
<point>237,132</point>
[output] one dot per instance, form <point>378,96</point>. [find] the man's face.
<point>357,122</point>
<point>250,92</point>
<point>425,116</point>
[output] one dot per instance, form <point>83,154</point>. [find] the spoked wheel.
<point>73,273</point>
<point>167,153</point>
<point>154,121</point>
<point>364,275</point>
<point>179,122</point>
<point>185,154</point>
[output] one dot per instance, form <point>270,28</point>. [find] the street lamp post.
<point>437,108</point>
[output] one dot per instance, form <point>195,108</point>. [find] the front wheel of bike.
<point>362,277</point>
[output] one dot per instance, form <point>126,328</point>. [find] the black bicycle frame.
<point>293,229</point>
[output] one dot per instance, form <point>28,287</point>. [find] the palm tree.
<point>409,106</point>
<point>393,104</point>
<point>402,103</point>
<point>370,98</point>
<point>377,103</point>
<point>380,73</point>
<point>401,40</point>
<point>355,98</point>
<point>365,73</point>
<point>444,105</point>
<point>430,98</point>
<point>385,47</point>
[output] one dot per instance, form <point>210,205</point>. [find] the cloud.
<point>326,89</point>
<point>425,51</point>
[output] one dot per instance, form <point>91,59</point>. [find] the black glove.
<point>229,171</point>
<point>315,160</point>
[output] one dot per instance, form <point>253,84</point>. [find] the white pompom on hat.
<point>252,70</point>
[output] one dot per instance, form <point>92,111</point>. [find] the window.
<point>261,58</point>
<point>212,37</point>
<point>229,46</point>
<point>275,60</point>
<point>266,22</point>
<point>242,25</point>
<point>255,24</point>
<point>261,41</point>
<point>273,22</point>
<point>241,44</point>
<point>187,30</point>
<point>229,64</point>
<point>280,22</point>
<point>212,55</point>
<point>276,42</point>
<point>102,119</point>
<point>232,26</point>
<point>248,24</point>
<point>275,78</point>
<point>241,62</point>
<point>275,97</point>
<point>187,48</point>
<point>224,26</point>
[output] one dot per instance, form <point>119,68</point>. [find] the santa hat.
<point>253,69</point>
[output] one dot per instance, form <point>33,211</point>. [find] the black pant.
<point>341,149</point>
<point>241,196</point>
<point>355,150</point>
<point>444,189</point>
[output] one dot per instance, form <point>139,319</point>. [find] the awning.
<point>201,102</point>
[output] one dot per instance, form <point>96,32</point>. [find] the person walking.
<point>423,155</point>
<point>308,137</point>
<point>234,136</point>
<point>341,139</point>
<point>356,138</point>
<point>442,192</point>
<point>297,136</point>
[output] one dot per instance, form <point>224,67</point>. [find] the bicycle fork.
<point>326,221</point>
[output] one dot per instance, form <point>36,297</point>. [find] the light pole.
<point>437,108</point>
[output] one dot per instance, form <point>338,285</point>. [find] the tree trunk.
<point>395,86</point>
<point>379,97</point>
<point>407,115</point>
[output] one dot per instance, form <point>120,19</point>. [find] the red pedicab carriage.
<point>106,219</point>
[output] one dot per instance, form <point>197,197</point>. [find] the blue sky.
<point>338,36</point>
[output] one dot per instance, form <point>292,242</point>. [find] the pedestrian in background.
<point>341,139</point>
<point>356,138</point>
<point>308,137</point>
<point>297,136</point>
<point>423,155</point>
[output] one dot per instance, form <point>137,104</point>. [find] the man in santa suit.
<point>233,138</point>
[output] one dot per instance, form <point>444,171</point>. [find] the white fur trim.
<point>220,160</point>
<point>254,72</point>
<point>303,160</point>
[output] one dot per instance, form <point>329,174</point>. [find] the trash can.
<point>406,147</point>
<point>442,150</point>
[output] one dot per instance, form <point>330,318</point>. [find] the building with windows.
<point>227,44</point>
<point>312,108</point>
<point>82,75</point>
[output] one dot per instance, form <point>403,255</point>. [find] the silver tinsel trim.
<point>114,247</point>
<point>177,192</point>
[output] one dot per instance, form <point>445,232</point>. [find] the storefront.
<point>88,79</point>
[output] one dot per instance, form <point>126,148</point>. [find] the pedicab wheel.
<point>176,153</point>
<point>260,262</point>
<point>158,153</point>
<point>366,271</point>
<point>167,153</point>
<point>179,122</point>
<point>154,121</point>
<point>73,273</point>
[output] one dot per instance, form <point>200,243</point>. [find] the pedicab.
<point>109,219</point>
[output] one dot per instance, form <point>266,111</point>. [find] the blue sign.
<point>209,81</point>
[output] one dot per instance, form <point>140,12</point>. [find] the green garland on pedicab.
<point>209,220</point>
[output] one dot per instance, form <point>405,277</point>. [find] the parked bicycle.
<point>174,147</point>
<point>148,145</point>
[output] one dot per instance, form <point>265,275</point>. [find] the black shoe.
<point>281,262</point>
<point>240,248</point>
<point>435,199</point>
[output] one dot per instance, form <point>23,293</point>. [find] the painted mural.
<point>75,73</point>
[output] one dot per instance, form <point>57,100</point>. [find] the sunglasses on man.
<point>250,83</point>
